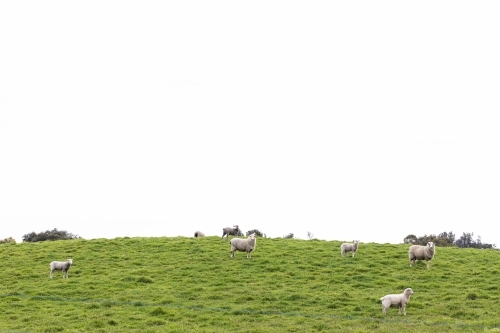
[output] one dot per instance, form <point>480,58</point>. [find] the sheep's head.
<point>430,245</point>
<point>236,227</point>
<point>251,236</point>
<point>408,292</point>
<point>70,261</point>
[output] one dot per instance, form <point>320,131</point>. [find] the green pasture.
<point>178,284</point>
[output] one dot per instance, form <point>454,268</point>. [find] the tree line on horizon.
<point>442,239</point>
<point>448,239</point>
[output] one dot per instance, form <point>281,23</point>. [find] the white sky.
<point>366,120</point>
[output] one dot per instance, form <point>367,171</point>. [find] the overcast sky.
<point>366,120</point>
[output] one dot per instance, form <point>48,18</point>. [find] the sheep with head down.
<point>243,245</point>
<point>198,234</point>
<point>421,252</point>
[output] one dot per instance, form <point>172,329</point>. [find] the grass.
<point>191,285</point>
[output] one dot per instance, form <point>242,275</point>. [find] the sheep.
<point>347,247</point>
<point>244,245</point>
<point>399,300</point>
<point>230,231</point>
<point>421,252</point>
<point>198,234</point>
<point>63,266</point>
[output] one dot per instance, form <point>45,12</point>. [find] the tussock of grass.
<point>183,284</point>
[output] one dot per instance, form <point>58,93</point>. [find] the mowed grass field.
<point>178,284</point>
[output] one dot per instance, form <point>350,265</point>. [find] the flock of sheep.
<point>415,252</point>
<point>237,244</point>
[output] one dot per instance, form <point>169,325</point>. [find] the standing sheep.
<point>244,245</point>
<point>198,234</point>
<point>230,231</point>
<point>63,266</point>
<point>421,252</point>
<point>348,247</point>
<point>399,300</point>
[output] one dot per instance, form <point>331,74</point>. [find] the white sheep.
<point>198,234</point>
<point>399,300</point>
<point>230,231</point>
<point>63,266</point>
<point>244,245</point>
<point>348,247</point>
<point>421,252</point>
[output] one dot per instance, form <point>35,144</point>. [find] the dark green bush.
<point>51,235</point>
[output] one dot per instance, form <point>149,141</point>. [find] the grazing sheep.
<point>348,247</point>
<point>399,300</point>
<point>421,252</point>
<point>244,245</point>
<point>230,231</point>
<point>63,266</point>
<point>198,234</point>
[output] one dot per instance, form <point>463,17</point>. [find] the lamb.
<point>230,231</point>
<point>399,300</point>
<point>348,247</point>
<point>63,266</point>
<point>244,245</point>
<point>198,234</point>
<point>421,252</point>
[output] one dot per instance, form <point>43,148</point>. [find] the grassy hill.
<point>191,285</point>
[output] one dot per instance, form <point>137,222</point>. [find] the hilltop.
<point>183,284</point>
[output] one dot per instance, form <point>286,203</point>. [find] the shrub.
<point>257,233</point>
<point>51,235</point>
<point>8,240</point>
